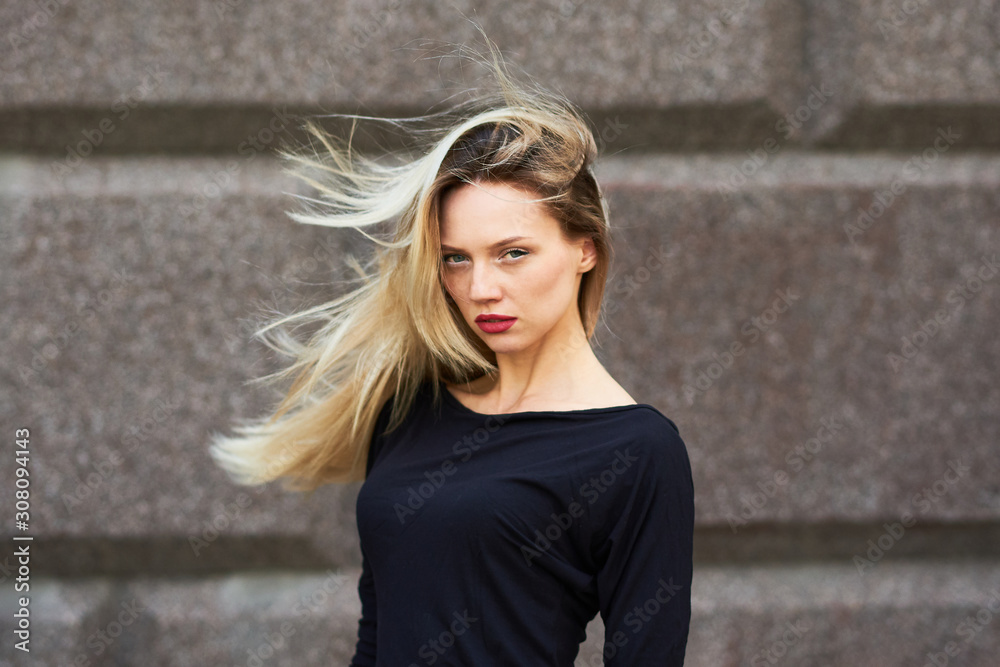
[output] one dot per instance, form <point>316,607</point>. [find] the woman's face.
<point>505,255</point>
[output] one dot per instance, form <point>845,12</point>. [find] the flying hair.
<point>399,328</point>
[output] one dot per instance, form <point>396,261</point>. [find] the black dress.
<point>494,539</point>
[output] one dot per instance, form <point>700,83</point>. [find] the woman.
<point>513,489</point>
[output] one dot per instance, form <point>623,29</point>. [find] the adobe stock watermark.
<point>309,604</point>
<point>314,602</point>
<point>102,640</point>
<point>752,330</point>
<point>638,618</point>
<point>222,178</point>
<point>362,32</point>
<point>912,170</point>
<point>247,327</point>
<point>93,137</point>
<point>796,458</point>
<point>609,132</point>
<point>435,647</point>
<point>7,569</point>
<point>30,26</point>
<point>778,649</point>
<point>592,490</point>
<point>709,35</point>
<point>462,450</point>
<point>969,628</point>
<point>271,644</point>
<point>917,340</point>
<point>786,125</point>
<point>563,10</point>
<point>923,501</point>
<point>898,15</point>
<point>227,515</point>
<point>324,254</point>
<point>628,285</point>
<point>86,313</point>
<point>136,433</point>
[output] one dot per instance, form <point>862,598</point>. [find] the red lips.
<point>502,323</point>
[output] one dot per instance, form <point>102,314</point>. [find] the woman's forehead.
<point>483,216</point>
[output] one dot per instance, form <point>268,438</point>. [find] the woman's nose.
<point>485,284</point>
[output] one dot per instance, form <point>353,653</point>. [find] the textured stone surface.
<point>281,618</point>
<point>302,52</point>
<point>903,68</point>
<point>729,255</point>
<point>166,354</point>
<point>747,140</point>
<point>63,616</point>
<point>301,619</point>
<point>892,615</point>
<point>204,76</point>
<point>138,314</point>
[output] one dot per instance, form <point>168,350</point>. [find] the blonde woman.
<point>512,488</point>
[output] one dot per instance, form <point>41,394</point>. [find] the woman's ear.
<point>588,257</point>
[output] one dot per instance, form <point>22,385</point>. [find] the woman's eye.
<point>447,258</point>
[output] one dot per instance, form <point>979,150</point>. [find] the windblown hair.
<point>400,327</point>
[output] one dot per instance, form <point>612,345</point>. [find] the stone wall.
<point>806,198</point>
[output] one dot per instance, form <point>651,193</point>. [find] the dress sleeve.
<point>645,557</point>
<point>365,649</point>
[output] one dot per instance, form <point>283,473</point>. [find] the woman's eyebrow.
<point>505,241</point>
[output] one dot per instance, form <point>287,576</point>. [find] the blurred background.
<point>807,231</point>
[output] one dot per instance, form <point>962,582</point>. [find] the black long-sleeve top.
<point>495,539</point>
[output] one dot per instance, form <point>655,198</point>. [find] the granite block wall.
<point>806,201</point>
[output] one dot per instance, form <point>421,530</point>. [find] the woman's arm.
<point>364,651</point>
<point>644,584</point>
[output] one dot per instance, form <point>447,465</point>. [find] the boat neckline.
<point>451,399</point>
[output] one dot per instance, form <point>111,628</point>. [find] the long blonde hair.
<point>400,327</point>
